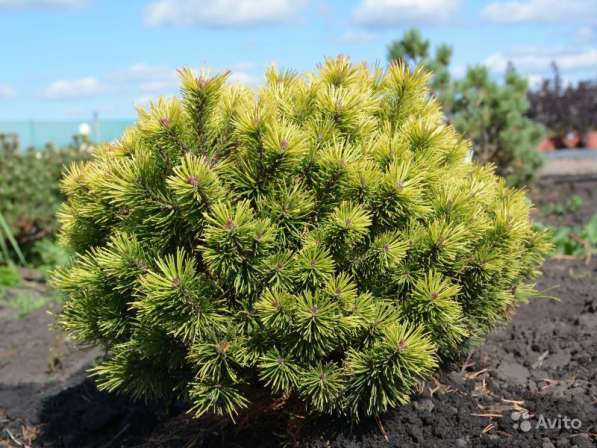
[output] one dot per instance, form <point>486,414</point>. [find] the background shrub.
<point>492,115</point>
<point>30,190</point>
<point>563,108</point>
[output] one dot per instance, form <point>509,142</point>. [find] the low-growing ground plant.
<point>47,255</point>
<point>9,275</point>
<point>573,204</point>
<point>10,250</point>
<point>324,239</point>
<point>577,241</point>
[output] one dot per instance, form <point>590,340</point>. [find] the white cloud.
<point>160,79</point>
<point>221,13</point>
<point>518,11</point>
<point>242,66</point>
<point>538,59</point>
<point>73,88</point>
<point>240,73</point>
<point>149,78</point>
<point>145,72</point>
<point>585,33</point>
<point>357,37</point>
<point>535,81</point>
<point>394,12</point>
<point>457,70</point>
<point>6,91</point>
<point>157,86</point>
<point>43,3</point>
<point>242,78</point>
<point>143,101</point>
<point>144,80</point>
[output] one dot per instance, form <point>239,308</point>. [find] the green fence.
<point>37,133</point>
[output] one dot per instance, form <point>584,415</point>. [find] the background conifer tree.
<point>323,238</point>
<point>493,115</point>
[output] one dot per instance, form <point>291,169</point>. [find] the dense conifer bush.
<point>324,239</point>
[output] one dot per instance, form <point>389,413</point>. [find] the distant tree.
<point>491,114</point>
<point>414,50</point>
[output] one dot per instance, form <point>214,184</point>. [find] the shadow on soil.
<point>83,417</point>
<point>543,361</point>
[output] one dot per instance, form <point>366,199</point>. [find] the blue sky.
<point>65,59</point>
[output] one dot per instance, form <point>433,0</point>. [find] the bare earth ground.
<point>550,190</point>
<point>544,363</point>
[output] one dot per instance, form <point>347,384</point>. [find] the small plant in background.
<point>9,275</point>
<point>492,115</point>
<point>48,255</point>
<point>572,205</point>
<point>325,239</point>
<point>9,248</point>
<point>577,241</point>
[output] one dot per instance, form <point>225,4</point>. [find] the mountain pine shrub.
<point>324,239</point>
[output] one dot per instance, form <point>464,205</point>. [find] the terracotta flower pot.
<point>547,145</point>
<point>591,140</point>
<point>571,139</point>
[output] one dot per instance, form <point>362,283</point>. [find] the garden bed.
<point>543,362</point>
<point>553,193</point>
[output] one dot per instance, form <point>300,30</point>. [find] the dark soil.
<point>542,365</point>
<point>553,190</point>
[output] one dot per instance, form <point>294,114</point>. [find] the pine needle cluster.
<point>323,238</point>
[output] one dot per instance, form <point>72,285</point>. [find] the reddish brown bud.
<point>402,345</point>
<point>222,347</point>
